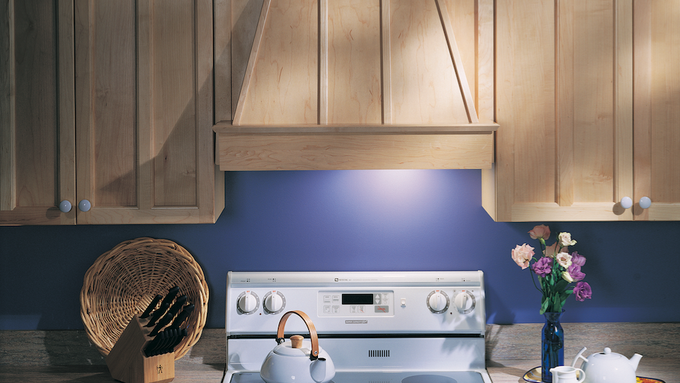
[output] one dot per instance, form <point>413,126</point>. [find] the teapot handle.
<point>579,355</point>
<point>314,354</point>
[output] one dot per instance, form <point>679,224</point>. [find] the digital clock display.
<point>357,299</point>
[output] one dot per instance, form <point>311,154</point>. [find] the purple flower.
<point>582,291</point>
<point>577,259</point>
<point>575,272</point>
<point>543,266</point>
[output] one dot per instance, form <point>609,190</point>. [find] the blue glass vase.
<point>552,345</point>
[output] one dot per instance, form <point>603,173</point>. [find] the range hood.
<point>354,84</point>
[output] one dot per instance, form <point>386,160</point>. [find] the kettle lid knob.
<point>607,350</point>
<point>296,341</point>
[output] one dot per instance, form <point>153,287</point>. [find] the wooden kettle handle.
<point>310,326</point>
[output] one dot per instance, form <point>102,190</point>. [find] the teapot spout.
<point>634,360</point>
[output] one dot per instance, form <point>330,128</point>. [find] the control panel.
<point>358,302</point>
<point>355,304</point>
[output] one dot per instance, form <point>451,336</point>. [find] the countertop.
<point>511,350</point>
<point>511,371</point>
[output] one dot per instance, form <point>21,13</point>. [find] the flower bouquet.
<point>556,270</point>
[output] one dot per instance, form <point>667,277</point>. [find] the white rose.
<point>564,259</point>
<point>565,240</point>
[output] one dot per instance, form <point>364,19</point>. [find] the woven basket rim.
<point>122,282</point>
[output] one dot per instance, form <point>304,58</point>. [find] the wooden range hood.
<point>345,84</point>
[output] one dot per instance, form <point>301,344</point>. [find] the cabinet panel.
<point>36,112</point>
<point>657,109</point>
<point>564,79</point>
<point>144,122</point>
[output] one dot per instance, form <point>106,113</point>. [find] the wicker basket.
<point>123,281</point>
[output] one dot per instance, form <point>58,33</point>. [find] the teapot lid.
<point>293,347</point>
<point>608,354</point>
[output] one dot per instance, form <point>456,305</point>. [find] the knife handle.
<point>179,302</point>
<point>151,306</point>
<point>162,323</point>
<point>157,314</point>
<point>171,295</point>
<point>182,316</point>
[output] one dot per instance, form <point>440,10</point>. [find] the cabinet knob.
<point>84,205</point>
<point>65,206</point>
<point>645,202</point>
<point>626,202</point>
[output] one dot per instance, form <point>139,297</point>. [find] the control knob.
<point>248,302</point>
<point>274,302</point>
<point>465,302</point>
<point>438,302</point>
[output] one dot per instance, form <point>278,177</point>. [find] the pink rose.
<point>522,255</point>
<point>540,231</point>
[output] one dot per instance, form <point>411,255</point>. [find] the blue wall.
<point>354,220</point>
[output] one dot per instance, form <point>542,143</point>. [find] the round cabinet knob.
<point>438,301</point>
<point>626,202</point>
<point>84,205</point>
<point>645,202</point>
<point>248,302</point>
<point>274,302</point>
<point>65,206</point>
<point>465,302</point>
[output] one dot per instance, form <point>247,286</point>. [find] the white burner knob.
<point>438,301</point>
<point>274,302</point>
<point>465,302</point>
<point>248,302</point>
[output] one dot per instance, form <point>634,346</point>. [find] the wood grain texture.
<point>364,151</point>
<point>145,99</point>
<point>37,160</point>
<point>283,86</point>
<point>564,76</point>
<point>354,62</point>
<point>657,101</point>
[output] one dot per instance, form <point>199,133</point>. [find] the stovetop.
<point>384,377</point>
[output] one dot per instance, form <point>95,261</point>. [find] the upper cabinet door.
<point>564,100</point>
<point>37,136</point>
<point>657,109</point>
<point>144,112</point>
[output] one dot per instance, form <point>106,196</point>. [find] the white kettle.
<point>297,360</point>
<point>608,366</point>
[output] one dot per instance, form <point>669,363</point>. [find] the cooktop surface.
<point>384,377</point>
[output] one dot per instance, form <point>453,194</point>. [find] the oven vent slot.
<point>378,353</point>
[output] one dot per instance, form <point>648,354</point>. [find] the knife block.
<point>127,362</point>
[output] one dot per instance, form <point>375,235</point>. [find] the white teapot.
<point>608,366</point>
<point>296,360</point>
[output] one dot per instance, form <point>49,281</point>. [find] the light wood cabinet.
<point>569,76</point>
<point>353,84</point>
<point>134,119</point>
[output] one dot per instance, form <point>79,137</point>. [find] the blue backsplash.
<point>354,220</point>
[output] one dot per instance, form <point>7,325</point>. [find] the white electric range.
<point>378,327</point>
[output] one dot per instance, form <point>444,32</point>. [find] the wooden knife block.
<point>127,362</point>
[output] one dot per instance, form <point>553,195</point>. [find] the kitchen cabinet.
<point>111,102</point>
<point>586,94</point>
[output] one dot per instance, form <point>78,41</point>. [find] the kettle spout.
<point>322,370</point>
<point>634,360</point>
